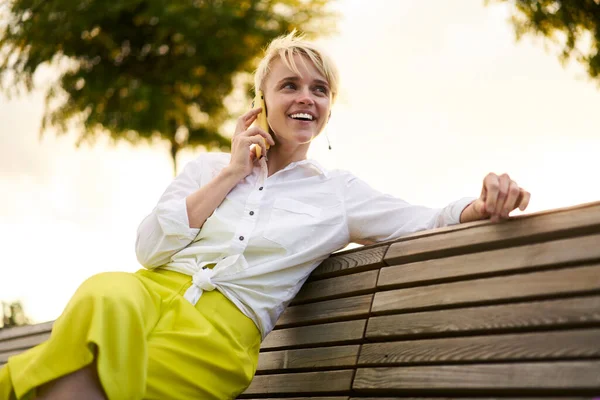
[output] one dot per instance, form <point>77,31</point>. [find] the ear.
<point>329,117</point>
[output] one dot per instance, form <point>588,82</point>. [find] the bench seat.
<point>478,310</point>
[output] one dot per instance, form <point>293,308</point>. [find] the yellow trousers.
<point>150,343</point>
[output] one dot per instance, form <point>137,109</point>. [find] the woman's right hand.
<point>242,155</point>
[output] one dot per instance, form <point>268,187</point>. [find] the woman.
<point>230,243</point>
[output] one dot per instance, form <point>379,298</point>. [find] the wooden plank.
<point>515,231</point>
<point>579,249</point>
<point>325,334</point>
<point>300,383</point>
<point>570,344</point>
<point>5,354</point>
<point>477,377</point>
<point>327,311</point>
<point>321,357</point>
<point>24,342</point>
<point>481,291</point>
<point>350,262</point>
<point>342,286</point>
<point>469,398</point>
<point>570,312</point>
<point>314,398</point>
<point>10,333</point>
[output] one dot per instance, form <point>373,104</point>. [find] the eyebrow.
<point>297,78</point>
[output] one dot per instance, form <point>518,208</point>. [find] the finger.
<point>255,130</point>
<point>257,140</point>
<point>245,120</point>
<point>244,123</point>
<point>524,199</point>
<point>491,184</point>
<point>252,113</point>
<point>503,185</point>
<point>511,200</point>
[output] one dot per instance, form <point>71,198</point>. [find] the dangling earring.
<point>326,135</point>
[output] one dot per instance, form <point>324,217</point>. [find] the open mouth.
<point>302,117</point>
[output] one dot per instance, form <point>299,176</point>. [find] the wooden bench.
<point>509,310</point>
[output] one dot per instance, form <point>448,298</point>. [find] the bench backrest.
<point>480,309</point>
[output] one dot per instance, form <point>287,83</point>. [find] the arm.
<point>181,211</point>
<point>375,217</point>
<point>194,195</point>
<point>203,202</point>
<point>499,196</point>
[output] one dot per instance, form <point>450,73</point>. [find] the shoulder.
<point>341,175</point>
<point>204,167</point>
<point>210,161</point>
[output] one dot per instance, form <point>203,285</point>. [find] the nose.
<point>304,97</point>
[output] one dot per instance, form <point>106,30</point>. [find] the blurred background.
<point>98,99</point>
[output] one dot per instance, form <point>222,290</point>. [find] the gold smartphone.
<point>261,119</point>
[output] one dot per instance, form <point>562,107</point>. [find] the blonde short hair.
<point>286,47</point>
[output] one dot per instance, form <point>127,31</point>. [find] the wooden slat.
<point>5,354</point>
<point>23,342</point>
<point>515,231</point>
<point>342,286</point>
<point>335,333</point>
<point>535,284</point>
<point>10,333</point>
<point>314,398</point>
<point>350,262</point>
<point>327,311</point>
<point>300,383</point>
<point>570,312</point>
<point>460,378</point>
<point>321,357</point>
<point>470,398</point>
<point>317,398</point>
<point>522,258</point>
<point>576,344</point>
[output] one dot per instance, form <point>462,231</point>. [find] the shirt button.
<point>241,238</point>
<point>251,212</point>
<point>260,188</point>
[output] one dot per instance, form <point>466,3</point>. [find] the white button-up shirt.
<point>269,233</point>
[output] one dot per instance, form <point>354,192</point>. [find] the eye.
<point>322,89</point>
<point>289,85</point>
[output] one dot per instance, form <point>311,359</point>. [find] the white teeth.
<point>302,116</point>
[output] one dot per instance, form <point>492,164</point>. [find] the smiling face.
<point>298,105</point>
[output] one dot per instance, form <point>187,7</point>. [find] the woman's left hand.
<point>499,196</point>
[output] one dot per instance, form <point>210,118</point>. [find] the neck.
<point>282,155</point>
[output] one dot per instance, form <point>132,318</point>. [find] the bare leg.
<point>81,384</point>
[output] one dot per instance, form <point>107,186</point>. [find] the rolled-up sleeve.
<point>373,216</point>
<point>166,230</point>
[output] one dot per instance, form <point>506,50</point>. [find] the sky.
<point>434,96</point>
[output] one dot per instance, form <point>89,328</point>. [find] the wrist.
<point>469,214</point>
<point>232,174</point>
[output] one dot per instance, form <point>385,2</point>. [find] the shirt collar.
<point>310,163</point>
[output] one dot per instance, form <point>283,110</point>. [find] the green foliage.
<point>572,24</point>
<point>139,69</point>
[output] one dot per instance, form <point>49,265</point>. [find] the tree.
<point>145,69</point>
<point>574,25</point>
<point>12,315</point>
